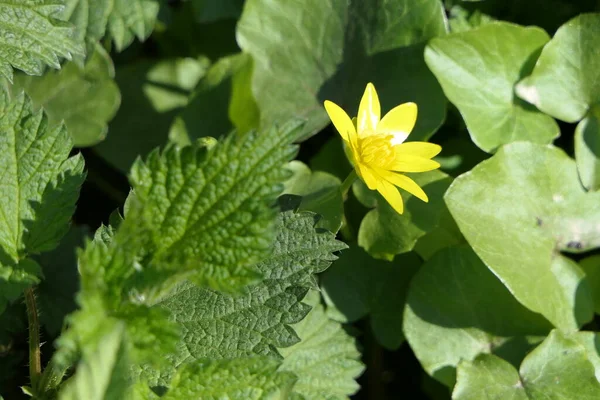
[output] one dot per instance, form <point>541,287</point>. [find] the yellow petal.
<point>406,163</point>
<point>391,195</point>
<point>369,111</point>
<point>418,149</point>
<point>368,176</point>
<point>399,122</point>
<point>405,183</point>
<point>340,119</point>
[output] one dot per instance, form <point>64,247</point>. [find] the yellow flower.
<point>378,149</point>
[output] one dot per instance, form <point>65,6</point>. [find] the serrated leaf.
<point>517,210</point>
<point>478,70</point>
<point>129,19</point>
<point>329,49</point>
<point>587,149</point>
<point>39,186</point>
<point>257,320</point>
<point>320,194</point>
<point>85,98</point>
<point>359,285</point>
<point>565,82</point>
<point>254,378</point>
<point>33,36</point>
<point>326,360</point>
<point>218,216</point>
<point>102,372</point>
<point>153,93</point>
<point>557,369</point>
<point>456,309</point>
<point>384,233</point>
<point>90,18</point>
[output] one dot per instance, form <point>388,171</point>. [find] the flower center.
<point>376,150</point>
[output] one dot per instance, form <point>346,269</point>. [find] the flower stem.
<point>35,364</point>
<point>348,182</point>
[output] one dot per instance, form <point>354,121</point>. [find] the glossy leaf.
<point>516,210</point>
<point>478,70</point>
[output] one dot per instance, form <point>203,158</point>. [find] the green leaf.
<point>33,36</point>
<point>591,267</point>
<point>326,360</point>
<point>384,233</point>
<point>565,82</point>
<point>456,309</point>
<point>587,149</point>
<point>153,93</point>
<point>209,11</point>
<point>129,19</point>
<point>238,378</point>
<point>221,102</point>
<point>358,286</point>
<point>517,210</point>
<point>39,186</point>
<point>218,220</point>
<point>102,372</point>
<point>557,369</point>
<point>86,98</point>
<point>320,193</point>
<point>318,50</point>
<point>257,320</point>
<point>90,18</point>
<point>56,293</point>
<point>478,70</point>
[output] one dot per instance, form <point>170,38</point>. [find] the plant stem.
<point>35,363</point>
<point>348,182</point>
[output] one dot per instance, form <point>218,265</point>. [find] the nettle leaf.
<point>153,93</point>
<point>517,210</point>
<point>478,70</point>
<point>320,50</point>
<point>238,378</point>
<point>558,368</point>
<point>211,211</point>
<point>102,372</point>
<point>384,233</point>
<point>320,193</point>
<point>129,19</point>
<point>456,309</point>
<point>257,320</point>
<point>565,82</point>
<point>86,98</point>
<point>326,360</point>
<point>33,36</point>
<point>90,18</point>
<point>359,285</point>
<point>39,186</point>
<point>587,149</point>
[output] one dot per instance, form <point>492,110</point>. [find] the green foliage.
<point>85,98</point>
<point>33,36</point>
<point>329,49</point>
<point>38,190</point>
<point>516,210</point>
<point>217,246</point>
